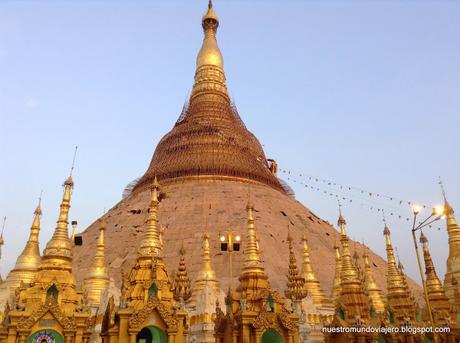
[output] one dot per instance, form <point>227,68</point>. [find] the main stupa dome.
<point>207,166</point>
<point>209,140</point>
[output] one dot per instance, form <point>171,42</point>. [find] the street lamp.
<point>436,214</point>
<point>230,242</point>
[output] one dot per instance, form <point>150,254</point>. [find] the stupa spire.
<point>209,140</point>
<point>29,260</point>
<point>398,295</point>
<point>375,293</point>
<point>59,250</point>
<point>97,281</point>
<point>438,300</point>
<point>252,262</point>
<point>352,296</point>
<point>209,74</point>
<point>181,286</point>
<point>453,260</point>
<point>151,244</point>
<point>295,286</point>
<point>206,272</point>
<point>253,280</point>
<point>336,286</point>
<point>312,284</point>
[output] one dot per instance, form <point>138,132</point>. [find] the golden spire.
<point>151,245</point>
<point>312,285</point>
<point>209,53</point>
<point>352,296</point>
<point>251,252</point>
<point>181,286</point>
<point>253,279</point>
<point>97,281</point>
<point>295,286</point>
<point>453,260</point>
<point>209,74</point>
<point>398,295</point>
<point>375,293</point>
<point>29,260</point>
<point>59,250</point>
<point>438,300</point>
<point>206,272</point>
<point>336,287</point>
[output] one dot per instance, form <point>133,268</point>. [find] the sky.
<point>363,93</point>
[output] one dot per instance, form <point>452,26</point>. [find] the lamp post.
<point>436,214</point>
<point>230,242</point>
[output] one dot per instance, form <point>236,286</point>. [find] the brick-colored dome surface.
<point>194,207</point>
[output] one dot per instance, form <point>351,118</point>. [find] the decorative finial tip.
<point>182,250</point>
<point>250,205</point>
<point>102,223</point>
<point>210,4</point>
<point>423,238</point>
<point>386,230</point>
<point>155,182</point>
<point>289,237</point>
<point>69,181</point>
<point>38,210</point>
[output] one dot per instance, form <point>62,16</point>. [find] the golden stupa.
<point>208,164</point>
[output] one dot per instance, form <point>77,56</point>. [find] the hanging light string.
<point>319,180</point>
<point>369,200</point>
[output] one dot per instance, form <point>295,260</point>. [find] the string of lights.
<point>370,200</point>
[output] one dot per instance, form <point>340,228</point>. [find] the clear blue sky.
<point>365,93</point>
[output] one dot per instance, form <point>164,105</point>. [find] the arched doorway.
<point>271,336</point>
<point>46,336</point>
<point>151,334</point>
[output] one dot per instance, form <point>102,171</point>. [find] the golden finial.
<point>251,251</point>
<point>312,284</point>
<point>28,261</point>
<point>206,272</point>
<point>181,286</point>
<point>341,222</point>
<point>398,293</point>
<point>353,298</point>
<point>210,53</point>
<point>60,246</point>
<point>73,161</point>
<point>97,281</point>
<point>151,244</point>
<point>453,259</point>
<point>375,293</point>
<point>439,302</point>
<point>336,287</point>
<point>295,286</point>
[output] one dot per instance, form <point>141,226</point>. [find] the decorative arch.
<point>138,318</point>
<point>46,336</point>
<point>28,322</point>
<point>151,334</point>
<point>271,336</point>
